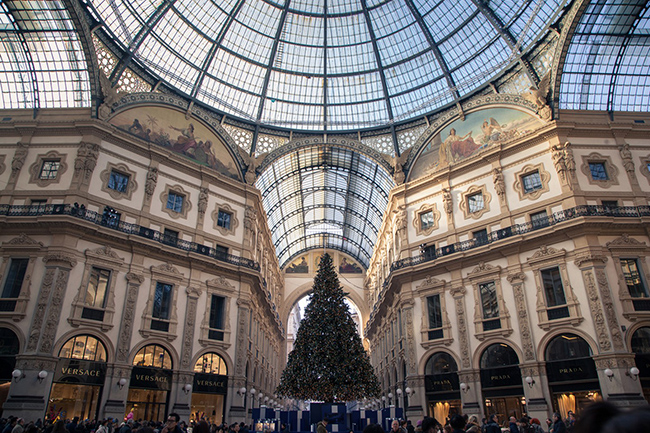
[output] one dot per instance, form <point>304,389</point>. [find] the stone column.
<point>28,395</point>
<point>116,396</point>
<point>415,400</point>
<point>237,411</point>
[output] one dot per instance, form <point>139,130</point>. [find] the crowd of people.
<point>600,417</point>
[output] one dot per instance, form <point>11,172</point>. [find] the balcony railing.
<point>128,228</point>
<point>519,229</point>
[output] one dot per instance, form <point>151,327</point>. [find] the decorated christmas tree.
<point>328,362</point>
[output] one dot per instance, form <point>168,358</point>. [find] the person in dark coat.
<point>492,425</point>
<point>558,424</point>
<point>457,423</point>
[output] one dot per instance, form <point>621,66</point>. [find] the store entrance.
<point>68,400</point>
<point>505,407</point>
<point>147,404</point>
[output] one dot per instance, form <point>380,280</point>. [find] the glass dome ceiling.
<point>324,64</point>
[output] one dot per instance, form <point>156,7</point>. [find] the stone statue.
<point>203,200</point>
<point>446,197</point>
<point>538,96</point>
<point>152,180</point>
<point>499,184</point>
<point>626,155</point>
<point>110,96</point>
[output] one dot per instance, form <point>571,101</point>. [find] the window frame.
<point>473,191</point>
<point>19,247</point>
<point>519,185</point>
<point>433,287</point>
<point>543,259</point>
<point>218,286</point>
<point>420,230</point>
<point>178,191</point>
<point>626,247</point>
<point>165,274</point>
<point>100,258</point>
<point>121,169</point>
<point>610,169</point>
<point>536,220</point>
<point>234,221</point>
<point>482,274</point>
<point>36,168</point>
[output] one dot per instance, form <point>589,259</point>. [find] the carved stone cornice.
<point>168,270</point>
<point>457,291</point>
<point>429,283</point>
<point>625,241</point>
<point>516,277</point>
<point>220,282</point>
<point>483,270</point>
<point>590,260</point>
<point>193,292</point>
<point>23,242</point>
<point>546,253</point>
<point>60,259</point>
<point>105,253</point>
<point>134,278</point>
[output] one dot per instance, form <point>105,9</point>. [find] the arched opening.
<point>442,386</point>
<point>298,312</point>
<point>503,392</point>
<point>78,379</point>
<point>9,348</point>
<point>151,380</point>
<point>571,373</point>
<point>209,389</point>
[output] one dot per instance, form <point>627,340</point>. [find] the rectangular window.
<point>489,300</point>
<point>426,220</point>
<point>223,219</point>
<point>539,219</point>
<point>170,237</point>
<point>610,204</point>
<point>480,237</point>
<point>49,169</point>
<point>598,171</point>
<point>175,202</point>
<point>15,278</point>
<point>118,181</point>
<point>531,182</point>
<point>37,206</point>
<point>217,313</point>
<point>633,279</point>
<point>553,288</point>
<point>162,301</point>
<point>475,202</point>
<point>434,311</point>
<point>97,288</point>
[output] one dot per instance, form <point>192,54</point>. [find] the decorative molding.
<point>626,241</point>
<point>35,168</point>
<point>604,344</point>
<point>234,222</point>
<point>546,253</point>
<point>2,163</point>
<point>564,163</point>
<point>417,219</point>
<point>60,259</point>
<point>40,310</point>
<point>55,305</point>
<point>187,204</point>
<point>22,241</point>
<point>19,159</point>
<point>220,282</point>
<point>522,316</point>
<point>610,169</point>
<point>150,184</point>
<point>544,175</point>
<point>128,316</point>
<point>610,312</point>
<point>590,260</point>
<point>464,204</point>
<point>120,168</point>
<point>188,330</point>
<point>483,270</point>
<point>86,161</point>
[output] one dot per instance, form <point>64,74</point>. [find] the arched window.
<point>440,363</point>
<point>84,347</point>
<point>641,341</point>
<point>211,363</point>
<point>153,356</point>
<point>499,355</point>
<point>9,348</point>
<point>567,346</point>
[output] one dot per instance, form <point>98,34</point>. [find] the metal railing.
<point>111,220</point>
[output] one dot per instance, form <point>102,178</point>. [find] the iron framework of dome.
<point>328,64</point>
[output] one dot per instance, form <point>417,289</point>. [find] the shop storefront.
<point>641,348</point>
<point>442,386</point>
<point>501,383</point>
<point>209,389</point>
<point>9,347</point>
<point>151,380</point>
<point>572,376</point>
<point>78,379</point>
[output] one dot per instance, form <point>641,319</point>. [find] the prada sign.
<point>571,369</point>
<point>151,378</point>
<point>80,371</point>
<point>502,376</point>
<point>441,382</point>
<point>210,383</point>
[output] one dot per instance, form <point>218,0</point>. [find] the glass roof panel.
<point>606,67</point>
<point>42,63</point>
<point>339,190</point>
<point>295,43</point>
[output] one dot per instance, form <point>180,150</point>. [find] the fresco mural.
<point>349,267</point>
<point>170,129</point>
<point>461,139</point>
<point>299,266</point>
